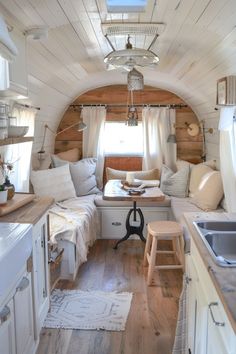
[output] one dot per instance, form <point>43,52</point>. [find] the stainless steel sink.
<point>217,225</point>
<point>220,240</point>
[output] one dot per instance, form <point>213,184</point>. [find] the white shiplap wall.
<point>197,47</point>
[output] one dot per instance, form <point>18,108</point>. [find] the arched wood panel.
<point>188,148</point>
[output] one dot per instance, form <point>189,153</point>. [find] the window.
<point>122,140</point>
<point>126,5</point>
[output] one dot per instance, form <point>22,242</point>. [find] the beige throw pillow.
<point>209,192</point>
<point>146,175</point>
<point>196,174</point>
<point>71,155</point>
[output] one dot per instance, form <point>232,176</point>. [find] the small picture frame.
<point>221,97</point>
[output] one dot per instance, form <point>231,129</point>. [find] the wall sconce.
<point>41,153</point>
<point>193,129</point>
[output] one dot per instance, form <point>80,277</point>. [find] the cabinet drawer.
<point>113,223</point>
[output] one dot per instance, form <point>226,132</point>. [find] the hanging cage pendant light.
<point>135,80</point>
<point>132,112</point>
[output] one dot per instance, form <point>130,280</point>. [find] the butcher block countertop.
<point>224,278</point>
<point>29,213</point>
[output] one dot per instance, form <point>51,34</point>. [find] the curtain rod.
<point>27,106</point>
<point>174,105</point>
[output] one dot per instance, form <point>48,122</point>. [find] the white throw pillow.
<point>83,176</point>
<point>210,191</point>
<point>55,183</point>
<point>196,174</point>
<point>175,184</point>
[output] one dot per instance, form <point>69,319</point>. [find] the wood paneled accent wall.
<point>188,148</point>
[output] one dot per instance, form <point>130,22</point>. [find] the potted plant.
<point>3,194</point>
<point>6,168</point>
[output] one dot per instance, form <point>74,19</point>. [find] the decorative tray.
<point>136,191</point>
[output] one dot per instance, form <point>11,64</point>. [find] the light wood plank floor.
<point>151,323</point>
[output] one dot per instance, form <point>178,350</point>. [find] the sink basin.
<point>217,225</point>
<point>220,240</point>
<point>15,249</point>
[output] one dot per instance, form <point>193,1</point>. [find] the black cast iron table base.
<point>130,229</point>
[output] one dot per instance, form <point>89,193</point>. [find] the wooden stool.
<point>163,230</point>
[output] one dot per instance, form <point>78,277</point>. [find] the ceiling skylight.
<point>126,5</point>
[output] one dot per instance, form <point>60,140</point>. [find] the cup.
<point>129,177</point>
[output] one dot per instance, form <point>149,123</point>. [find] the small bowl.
<point>15,131</point>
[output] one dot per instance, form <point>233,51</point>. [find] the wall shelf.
<point>10,141</point>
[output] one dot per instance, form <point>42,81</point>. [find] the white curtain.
<point>20,154</point>
<point>167,127</point>
<point>228,156</point>
<point>156,129</point>
<point>93,137</point>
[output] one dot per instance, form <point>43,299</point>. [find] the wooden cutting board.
<point>16,202</point>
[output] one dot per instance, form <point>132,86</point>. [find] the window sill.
<point>123,155</point>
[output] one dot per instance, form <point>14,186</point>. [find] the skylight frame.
<point>125,6</point>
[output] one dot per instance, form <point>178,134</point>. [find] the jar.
<point>10,188</point>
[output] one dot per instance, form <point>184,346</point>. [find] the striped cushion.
<point>175,184</point>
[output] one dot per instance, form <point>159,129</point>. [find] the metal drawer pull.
<point>4,314</point>
<point>117,223</point>
<point>23,284</point>
<point>221,324</point>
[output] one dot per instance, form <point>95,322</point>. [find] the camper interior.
<point>117,177</point>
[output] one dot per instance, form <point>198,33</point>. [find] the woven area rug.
<point>75,309</point>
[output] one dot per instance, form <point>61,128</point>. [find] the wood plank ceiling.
<point>197,47</point>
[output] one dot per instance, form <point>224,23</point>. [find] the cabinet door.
<point>191,303</point>
<point>7,329</point>
<point>197,308</point>
<point>201,320</point>
<point>221,336</point>
<point>40,276</point>
<point>24,327</point>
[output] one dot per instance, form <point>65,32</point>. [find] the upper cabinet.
<point>18,68</point>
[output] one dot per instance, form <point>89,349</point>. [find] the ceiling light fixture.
<point>130,57</point>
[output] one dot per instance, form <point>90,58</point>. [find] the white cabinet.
<point>215,343</point>
<point>209,329</point>
<point>18,68</point>
<point>40,272</point>
<point>16,319</point>
<point>24,322</point>
<point>113,219</point>
<point>7,329</point>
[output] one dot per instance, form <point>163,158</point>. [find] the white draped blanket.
<point>75,220</point>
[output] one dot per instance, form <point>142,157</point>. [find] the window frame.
<point>112,154</point>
